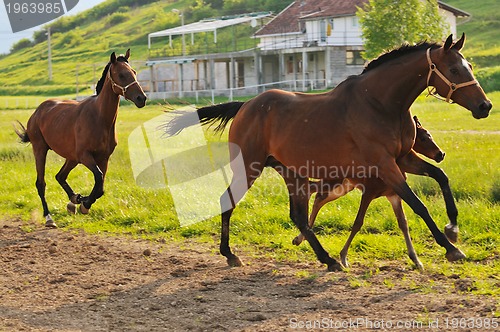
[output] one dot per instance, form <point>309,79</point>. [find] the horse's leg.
<point>97,191</point>
<point>224,248</point>
<point>61,177</point>
<point>413,164</point>
<point>103,166</point>
<point>395,201</point>
<point>328,192</point>
<point>320,200</point>
<point>298,188</point>
<point>392,176</point>
<point>243,178</point>
<point>40,152</point>
<point>358,223</point>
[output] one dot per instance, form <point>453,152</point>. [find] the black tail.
<point>23,135</point>
<point>222,113</point>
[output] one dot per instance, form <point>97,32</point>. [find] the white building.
<point>320,41</point>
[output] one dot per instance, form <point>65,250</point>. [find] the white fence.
<point>31,102</point>
<point>292,85</point>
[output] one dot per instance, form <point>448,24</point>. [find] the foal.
<point>82,132</point>
<point>372,188</point>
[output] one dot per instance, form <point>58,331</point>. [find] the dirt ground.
<point>60,280</point>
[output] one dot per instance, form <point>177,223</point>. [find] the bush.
<point>489,78</point>
<point>495,191</point>
<point>72,38</point>
<point>23,43</point>
<point>117,18</point>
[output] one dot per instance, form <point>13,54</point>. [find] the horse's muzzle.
<point>483,110</point>
<point>140,101</point>
<point>439,156</point>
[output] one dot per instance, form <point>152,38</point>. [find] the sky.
<point>7,38</point>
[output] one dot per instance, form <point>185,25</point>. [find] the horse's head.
<point>425,145</point>
<point>124,81</point>
<point>452,77</point>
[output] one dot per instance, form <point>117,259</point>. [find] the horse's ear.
<point>417,122</point>
<point>112,58</point>
<point>448,43</point>
<point>460,43</point>
<point>127,54</point>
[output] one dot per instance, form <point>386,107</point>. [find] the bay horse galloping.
<point>374,187</point>
<point>82,132</point>
<point>364,125</point>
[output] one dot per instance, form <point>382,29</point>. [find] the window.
<point>354,58</point>
<point>355,22</point>
<point>289,65</point>
<point>322,30</point>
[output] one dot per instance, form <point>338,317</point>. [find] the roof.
<point>208,25</point>
<point>457,12</point>
<point>289,20</point>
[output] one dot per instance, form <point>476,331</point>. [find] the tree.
<point>22,43</point>
<point>389,23</point>
<point>200,10</point>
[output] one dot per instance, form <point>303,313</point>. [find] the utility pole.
<point>181,14</point>
<point>49,54</point>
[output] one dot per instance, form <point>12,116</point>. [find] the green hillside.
<point>92,40</point>
<point>483,44</point>
<point>88,38</point>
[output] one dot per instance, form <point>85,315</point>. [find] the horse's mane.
<point>398,52</point>
<point>100,83</point>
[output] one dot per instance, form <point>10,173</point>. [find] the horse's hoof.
<point>419,265</point>
<point>71,207</point>
<point>455,255</point>
<point>451,232</point>
<point>234,261</point>
<point>76,199</point>
<point>83,209</point>
<point>335,266</point>
<point>344,262</point>
<point>297,240</point>
<point>49,222</point>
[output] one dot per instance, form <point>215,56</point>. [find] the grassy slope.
<point>90,43</point>
<point>483,46</point>
<point>25,71</point>
<point>482,27</point>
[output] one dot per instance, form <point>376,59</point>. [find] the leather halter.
<point>453,86</point>
<point>122,88</point>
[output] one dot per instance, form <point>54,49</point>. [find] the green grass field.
<point>260,224</point>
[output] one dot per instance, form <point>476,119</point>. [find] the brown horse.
<point>362,127</point>
<point>373,188</point>
<point>82,132</point>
